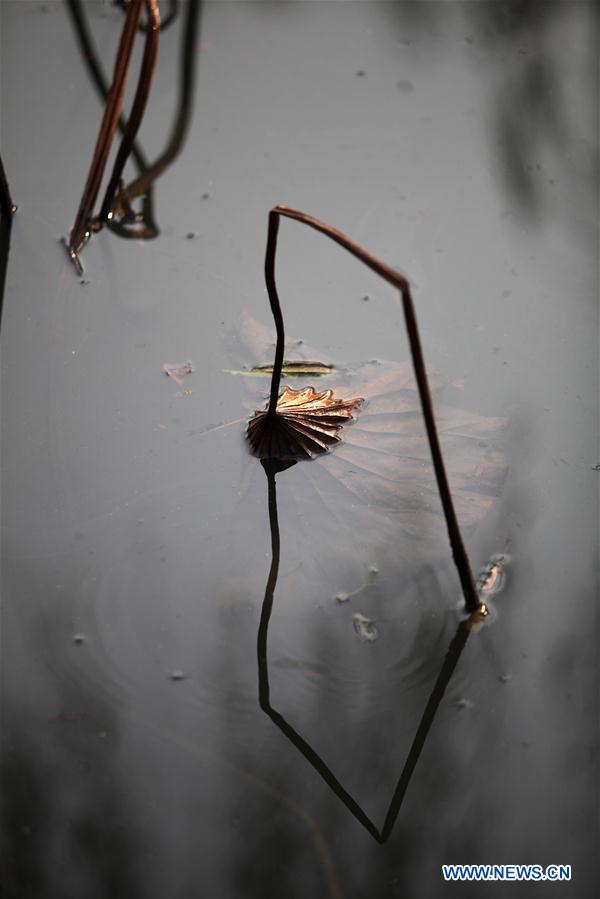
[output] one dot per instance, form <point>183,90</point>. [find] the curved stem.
<point>138,107</point>
<point>107,129</point>
<point>90,58</point>
<point>275,307</point>
<point>459,553</point>
<point>187,79</point>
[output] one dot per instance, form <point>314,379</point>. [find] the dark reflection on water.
<point>67,826</point>
<point>531,115</point>
<point>452,656</point>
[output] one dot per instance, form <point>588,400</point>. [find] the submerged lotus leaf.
<point>306,423</point>
<point>385,460</point>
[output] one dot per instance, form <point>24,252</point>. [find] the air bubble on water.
<point>78,639</point>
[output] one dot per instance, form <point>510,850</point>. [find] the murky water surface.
<point>458,143</point>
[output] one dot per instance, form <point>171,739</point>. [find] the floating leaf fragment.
<point>178,370</point>
<point>492,577</point>
<point>304,424</point>
<point>289,369</point>
<point>365,627</point>
<point>295,369</point>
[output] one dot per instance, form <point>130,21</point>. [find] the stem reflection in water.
<point>453,654</point>
<point>7,210</point>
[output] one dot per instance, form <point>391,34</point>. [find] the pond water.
<point>457,142</point>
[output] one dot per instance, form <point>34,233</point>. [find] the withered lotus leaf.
<point>305,424</point>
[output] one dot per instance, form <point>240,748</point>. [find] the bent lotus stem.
<point>138,108</point>
<point>459,553</point>
<point>83,220</point>
<point>142,183</point>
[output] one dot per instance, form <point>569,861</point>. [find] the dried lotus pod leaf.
<point>305,424</point>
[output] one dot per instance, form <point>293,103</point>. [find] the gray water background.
<point>465,154</point>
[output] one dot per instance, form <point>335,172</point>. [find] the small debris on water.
<point>464,703</point>
<point>405,86</point>
<point>206,195</point>
<point>85,281</point>
<point>366,298</point>
<point>360,73</point>
<point>178,370</point>
<point>78,639</point>
<point>342,597</point>
<point>504,678</point>
<point>492,577</point>
<point>365,627</point>
<point>177,675</point>
<point>191,235</point>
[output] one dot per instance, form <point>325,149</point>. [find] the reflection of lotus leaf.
<point>385,458</point>
<point>382,467</point>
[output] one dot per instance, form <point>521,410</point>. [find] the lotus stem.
<point>138,108</point>
<point>110,119</point>
<point>459,553</point>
